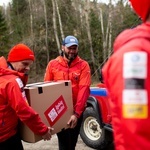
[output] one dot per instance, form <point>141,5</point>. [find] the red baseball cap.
<point>142,8</point>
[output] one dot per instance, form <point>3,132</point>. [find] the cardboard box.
<point>27,135</point>
<point>53,102</point>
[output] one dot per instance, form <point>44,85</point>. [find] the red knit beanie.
<point>141,7</point>
<point>20,52</point>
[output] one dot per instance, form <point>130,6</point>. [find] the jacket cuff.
<point>76,114</point>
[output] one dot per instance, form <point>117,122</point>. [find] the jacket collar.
<point>6,69</point>
<point>64,62</point>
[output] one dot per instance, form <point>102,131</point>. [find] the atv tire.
<point>92,134</point>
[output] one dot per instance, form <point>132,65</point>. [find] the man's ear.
<point>62,47</point>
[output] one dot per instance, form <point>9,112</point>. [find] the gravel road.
<point>52,145</point>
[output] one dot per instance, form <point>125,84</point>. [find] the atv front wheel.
<point>91,133</point>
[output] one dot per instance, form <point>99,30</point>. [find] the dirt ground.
<point>52,145</point>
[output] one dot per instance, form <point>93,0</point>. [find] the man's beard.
<point>71,58</point>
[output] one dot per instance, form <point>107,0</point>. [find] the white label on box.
<point>52,114</point>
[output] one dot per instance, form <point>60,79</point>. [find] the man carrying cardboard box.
<point>69,66</point>
<point>13,102</point>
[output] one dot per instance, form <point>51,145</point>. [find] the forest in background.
<point>43,24</point>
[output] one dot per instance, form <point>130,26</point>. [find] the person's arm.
<point>17,100</point>
<point>48,74</point>
<point>84,89</point>
<point>83,94</point>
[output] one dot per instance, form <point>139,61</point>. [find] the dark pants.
<point>13,143</point>
<point>68,138</point>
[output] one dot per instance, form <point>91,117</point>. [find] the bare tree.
<point>106,33</point>
<point>31,21</point>
<point>86,12</point>
<point>60,22</point>
<point>103,34</point>
<point>110,29</point>
<point>55,26</point>
<point>46,29</point>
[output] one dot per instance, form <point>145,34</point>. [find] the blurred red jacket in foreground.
<point>127,78</point>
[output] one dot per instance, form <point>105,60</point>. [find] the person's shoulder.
<point>81,60</point>
<point>129,35</point>
<point>54,60</point>
<point>13,81</point>
<point>122,38</point>
<point>139,31</point>
<point>19,82</point>
<point>124,34</point>
<point>83,63</point>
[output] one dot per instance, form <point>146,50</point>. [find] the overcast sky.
<point>4,2</point>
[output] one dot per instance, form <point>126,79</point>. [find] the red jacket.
<point>79,74</point>
<point>13,104</point>
<point>127,77</point>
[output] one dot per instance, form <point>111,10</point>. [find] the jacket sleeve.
<point>48,74</point>
<point>84,89</point>
<point>17,100</point>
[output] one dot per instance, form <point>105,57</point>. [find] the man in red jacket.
<point>127,77</point>
<point>70,66</point>
<point>13,102</point>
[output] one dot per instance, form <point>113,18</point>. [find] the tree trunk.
<point>87,8</point>
<point>60,22</point>
<point>31,22</point>
<point>103,35</point>
<point>110,29</point>
<point>55,26</point>
<point>46,29</point>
